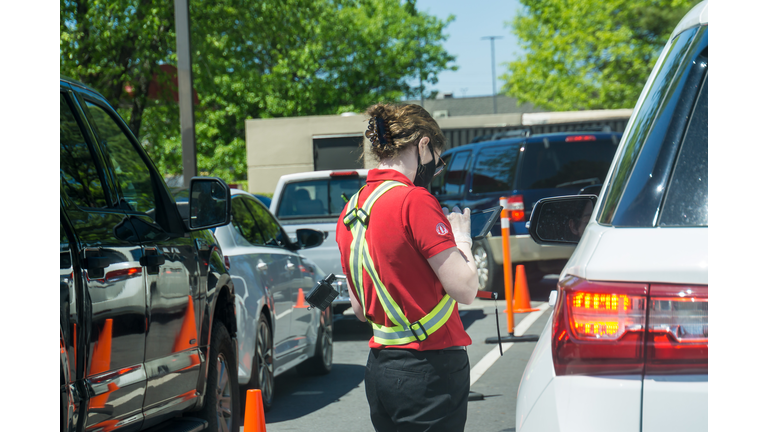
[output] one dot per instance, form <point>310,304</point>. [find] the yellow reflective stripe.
<point>360,258</point>
<point>397,335</point>
<point>355,263</point>
<point>391,308</point>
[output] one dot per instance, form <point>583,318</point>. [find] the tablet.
<point>482,221</point>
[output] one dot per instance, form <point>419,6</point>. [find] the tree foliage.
<point>589,54</point>
<point>251,59</point>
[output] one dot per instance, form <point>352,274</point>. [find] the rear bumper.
<point>522,249</point>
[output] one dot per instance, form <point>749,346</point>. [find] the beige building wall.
<point>280,146</point>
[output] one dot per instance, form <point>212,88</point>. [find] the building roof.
<point>465,106</point>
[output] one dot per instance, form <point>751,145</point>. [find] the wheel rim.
<point>326,339</point>
<point>265,372</point>
<point>223,395</point>
<point>481,262</point>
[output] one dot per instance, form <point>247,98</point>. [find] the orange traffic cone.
<point>522,302</point>
<point>102,350</point>
<point>187,337</point>
<point>300,300</point>
<point>254,412</point>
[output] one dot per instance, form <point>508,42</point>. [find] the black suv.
<point>147,325</point>
<point>523,169</point>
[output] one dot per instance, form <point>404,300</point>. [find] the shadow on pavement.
<point>349,328</point>
<point>470,316</point>
<point>297,396</point>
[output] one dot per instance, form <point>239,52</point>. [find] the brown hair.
<point>403,125</point>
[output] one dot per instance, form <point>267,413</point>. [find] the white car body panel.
<point>574,399</point>
<point>682,260</point>
<point>675,403</point>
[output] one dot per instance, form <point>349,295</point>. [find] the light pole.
<point>493,67</point>
<point>186,95</point>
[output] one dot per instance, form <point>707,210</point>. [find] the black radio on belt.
<point>322,294</point>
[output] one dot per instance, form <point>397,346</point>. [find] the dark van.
<point>523,169</point>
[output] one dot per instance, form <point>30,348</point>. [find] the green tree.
<point>588,54</point>
<point>271,58</point>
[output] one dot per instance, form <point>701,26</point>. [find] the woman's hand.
<point>456,267</point>
<point>460,224</point>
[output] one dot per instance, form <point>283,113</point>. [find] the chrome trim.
<point>173,363</point>
<point>99,384</point>
<point>112,426</point>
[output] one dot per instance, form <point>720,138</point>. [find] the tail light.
<point>678,330</point>
<point>516,208</point>
<point>345,174</point>
<point>580,138</point>
<point>611,328</point>
<point>226,262</point>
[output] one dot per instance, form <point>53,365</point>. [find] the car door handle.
<point>152,260</point>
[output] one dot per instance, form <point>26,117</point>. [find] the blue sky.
<point>474,19</point>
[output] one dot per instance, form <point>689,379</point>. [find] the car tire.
<point>322,362</point>
<point>222,394</point>
<point>487,270</point>
<point>262,372</point>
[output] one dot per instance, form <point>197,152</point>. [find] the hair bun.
<point>378,131</point>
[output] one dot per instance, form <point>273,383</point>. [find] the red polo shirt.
<point>406,227</point>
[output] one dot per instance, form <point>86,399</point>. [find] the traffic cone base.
<point>522,301</point>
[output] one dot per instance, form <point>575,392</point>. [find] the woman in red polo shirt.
<point>412,259</point>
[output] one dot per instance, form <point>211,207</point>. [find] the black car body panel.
<point>139,291</point>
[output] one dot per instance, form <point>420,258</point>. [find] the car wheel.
<point>222,394</point>
<point>322,362</point>
<point>486,268</point>
<point>263,372</point>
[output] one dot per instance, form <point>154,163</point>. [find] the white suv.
<point>314,200</point>
<point>626,348</point>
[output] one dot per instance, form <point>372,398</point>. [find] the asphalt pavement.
<point>337,401</point>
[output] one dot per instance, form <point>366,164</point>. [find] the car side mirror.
<point>561,220</point>
<point>210,203</point>
<point>308,238</point>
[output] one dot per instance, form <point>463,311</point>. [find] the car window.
<point>687,201</point>
<point>273,235</point>
<point>565,164</point>
<point>645,126</point>
<point>80,177</point>
<point>131,172</point>
<point>495,169</point>
<point>451,180</point>
<point>244,223</point>
<point>438,182</point>
<point>317,198</point>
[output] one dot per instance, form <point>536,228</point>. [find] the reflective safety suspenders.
<point>403,331</point>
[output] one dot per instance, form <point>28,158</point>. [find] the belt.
<point>454,348</point>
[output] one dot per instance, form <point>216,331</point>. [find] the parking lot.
<point>329,402</point>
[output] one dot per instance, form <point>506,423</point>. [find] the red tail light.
<point>226,262</point>
<point>598,328</point>
<point>516,208</point>
<point>580,138</point>
<point>678,330</point>
<point>345,174</point>
<point>611,328</point>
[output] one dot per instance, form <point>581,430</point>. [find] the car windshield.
<point>317,198</point>
<point>566,164</point>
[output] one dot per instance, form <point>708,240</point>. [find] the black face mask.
<point>425,173</point>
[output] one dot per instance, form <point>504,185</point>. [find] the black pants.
<point>410,391</point>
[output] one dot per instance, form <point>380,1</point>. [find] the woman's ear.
<point>423,143</point>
